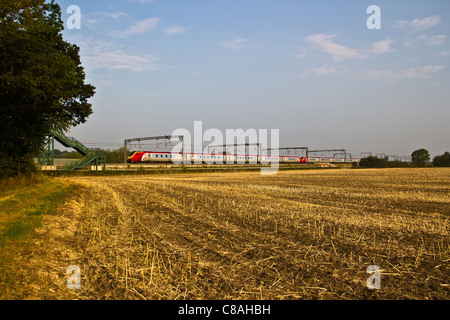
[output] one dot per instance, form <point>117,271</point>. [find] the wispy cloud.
<point>105,83</point>
<point>171,30</point>
<point>443,54</point>
<point>395,76</point>
<point>434,40</point>
<point>114,15</point>
<point>382,46</point>
<point>107,55</point>
<point>139,27</point>
<point>142,1</point>
<point>418,24</point>
<point>235,43</point>
<point>324,43</point>
<point>321,71</point>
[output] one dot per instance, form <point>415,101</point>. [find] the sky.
<point>312,69</point>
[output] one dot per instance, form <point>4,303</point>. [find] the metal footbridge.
<point>91,156</point>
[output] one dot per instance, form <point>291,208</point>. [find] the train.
<point>165,157</point>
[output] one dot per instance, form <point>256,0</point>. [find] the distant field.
<point>294,235</point>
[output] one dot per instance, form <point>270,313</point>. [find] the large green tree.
<point>420,157</point>
<point>42,81</point>
<point>442,160</point>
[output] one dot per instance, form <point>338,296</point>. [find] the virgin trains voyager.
<point>152,156</point>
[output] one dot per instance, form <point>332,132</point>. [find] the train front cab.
<point>135,156</point>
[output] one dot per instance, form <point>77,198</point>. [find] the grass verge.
<point>23,205</point>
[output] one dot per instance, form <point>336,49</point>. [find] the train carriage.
<point>166,157</point>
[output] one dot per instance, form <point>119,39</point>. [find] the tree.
<point>442,160</point>
<point>115,156</point>
<point>420,157</point>
<point>373,162</point>
<point>41,80</point>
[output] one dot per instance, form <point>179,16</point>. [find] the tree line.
<point>419,158</point>
<point>112,156</point>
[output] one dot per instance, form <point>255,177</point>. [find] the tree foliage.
<point>42,82</point>
<point>375,162</point>
<point>442,160</point>
<point>116,155</point>
<point>372,162</point>
<point>420,157</point>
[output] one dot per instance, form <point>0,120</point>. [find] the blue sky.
<point>311,69</point>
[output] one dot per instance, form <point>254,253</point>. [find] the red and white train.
<point>152,156</point>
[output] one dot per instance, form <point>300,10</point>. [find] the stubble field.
<point>294,235</point>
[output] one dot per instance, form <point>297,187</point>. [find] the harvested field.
<point>293,235</point>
